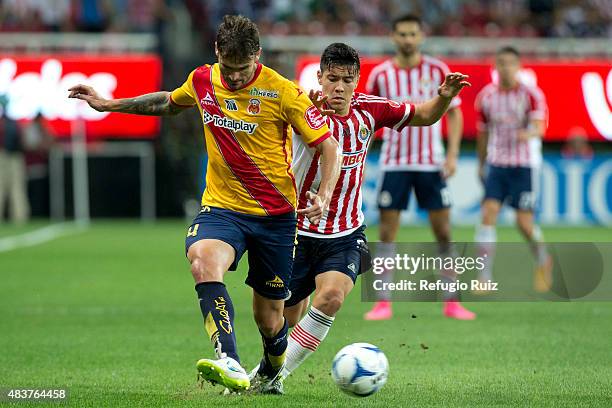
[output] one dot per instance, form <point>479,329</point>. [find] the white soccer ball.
<point>360,369</point>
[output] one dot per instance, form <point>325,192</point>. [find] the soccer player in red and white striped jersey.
<point>333,251</point>
<point>511,123</point>
<point>413,158</point>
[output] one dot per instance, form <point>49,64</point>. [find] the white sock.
<point>305,337</point>
<point>486,236</point>
<point>538,247</point>
<point>385,250</point>
<point>447,250</point>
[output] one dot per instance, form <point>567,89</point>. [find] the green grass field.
<point>111,314</point>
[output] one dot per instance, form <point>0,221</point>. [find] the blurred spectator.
<point>577,145</point>
<point>521,18</point>
<point>54,14</point>
<point>36,136</point>
<point>92,15</point>
<point>13,183</point>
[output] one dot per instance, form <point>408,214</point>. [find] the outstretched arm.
<point>155,104</point>
<point>428,113</point>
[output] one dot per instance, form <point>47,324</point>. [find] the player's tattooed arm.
<point>154,104</point>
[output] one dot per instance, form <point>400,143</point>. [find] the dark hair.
<point>508,49</point>
<point>237,38</point>
<point>407,18</point>
<point>340,55</point>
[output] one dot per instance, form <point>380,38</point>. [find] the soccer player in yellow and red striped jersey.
<point>250,200</point>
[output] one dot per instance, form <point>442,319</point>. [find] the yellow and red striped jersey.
<point>248,137</point>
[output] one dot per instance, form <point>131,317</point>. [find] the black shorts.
<point>270,241</point>
<point>513,185</point>
<point>429,187</point>
<point>348,254</point>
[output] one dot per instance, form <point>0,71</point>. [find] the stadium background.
<point>136,46</point>
<point>120,289</point>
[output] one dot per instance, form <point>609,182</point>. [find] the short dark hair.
<point>407,18</point>
<point>340,55</point>
<point>508,49</point>
<point>237,38</point>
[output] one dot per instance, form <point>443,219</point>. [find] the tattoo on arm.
<point>155,104</point>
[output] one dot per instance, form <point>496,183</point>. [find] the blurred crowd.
<point>524,18</point>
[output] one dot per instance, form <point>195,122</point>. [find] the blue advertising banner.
<point>571,192</point>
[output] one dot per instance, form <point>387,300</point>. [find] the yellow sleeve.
<point>299,112</point>
<point>184,95</point>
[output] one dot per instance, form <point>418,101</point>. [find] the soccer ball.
<point>360,369</point>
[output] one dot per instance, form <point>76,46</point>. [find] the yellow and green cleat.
<point>225,371</point>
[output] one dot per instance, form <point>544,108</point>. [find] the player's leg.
<point>214,245</point>
<point>311,330</point>
<point>523,198</point>
<point>433,195</point>
<point>271,244</point>
<point>393,197</point>
<point>268,314</point>
<point>496,190</point>
<point>334,264</point>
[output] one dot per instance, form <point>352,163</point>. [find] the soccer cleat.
<point>264,384</point>
<point>225,371</point>
<point>381,311</point>
<point>542,277</point>
<point>455,310</point>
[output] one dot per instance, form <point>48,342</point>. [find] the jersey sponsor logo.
<point>277,282</point>
<point>364,133</point>
<point>207,100</point>
<point>313,118</point>
<point>254,106</point>
<point>353,159</point>
<point>264,93</point>
<point>231,124</point>
<point>230,105</point>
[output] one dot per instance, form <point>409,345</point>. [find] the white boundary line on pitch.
<point>40,236</point>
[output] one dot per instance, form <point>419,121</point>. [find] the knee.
<point>329,300</point>
<point>205,269</point>
<point>269,322</point>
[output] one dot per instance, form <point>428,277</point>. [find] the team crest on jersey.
<point>230,105</point>
<point>364,133</point>
<point>254,106</point>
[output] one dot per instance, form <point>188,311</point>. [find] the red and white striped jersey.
<point>502,113</point>
<point>414,148</point>
<point>354,133</point>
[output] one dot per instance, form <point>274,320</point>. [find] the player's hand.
<point>450,166</point>
<point>523,135</point>
<point>89,95</point>
<point>482,173</point>
<point>317,207</point>
<point>318,100</point>
<point>453,84</point>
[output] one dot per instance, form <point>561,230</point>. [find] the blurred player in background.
<point>512,120</point>
<point>413,159</point>
<point>332,251</point>
<point>250,197</point>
